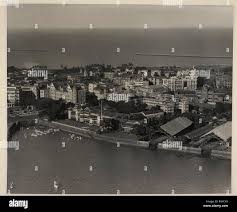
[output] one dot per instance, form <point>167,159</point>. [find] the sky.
<point>113,16</point>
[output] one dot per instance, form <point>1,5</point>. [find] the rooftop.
<point>223,131</point>
<point>176,125</point>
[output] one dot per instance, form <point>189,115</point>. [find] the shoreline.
<point>128,142</point>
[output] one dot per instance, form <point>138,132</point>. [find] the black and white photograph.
<point>119,98</point>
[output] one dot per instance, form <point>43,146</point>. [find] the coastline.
<point>128,142</point>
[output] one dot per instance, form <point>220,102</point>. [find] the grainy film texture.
<point>119,99</point>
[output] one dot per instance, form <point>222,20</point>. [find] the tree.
<point>140,130</point>
<point>115,124</point>
<point>91,99</point>
<point>200,82</point>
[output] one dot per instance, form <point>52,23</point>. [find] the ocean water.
<point>113,168</point>
<point>85,46</point>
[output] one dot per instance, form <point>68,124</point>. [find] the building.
<point>91,87</point>
<point>129,126</point>
<point>108,75</point>
<point>175,83</point>
<point>155,73</point>
<point>155,80</point>
<point>223,81</point>
<point>168,108</point>
<point>13,96</point>
<point>81,96</point>
<point>28,94</point>
<point>190,84</point>
<point>67,93</point>
<point>150,114</point>
<point>183,105</point>
<point>151,101</point>
<point>214,97</point>
<point>222,133</point>
<point>100,93</point>
<point>176,126</point>
<point>194,73</point>
<point>43,91</point>
<point>84,116</point>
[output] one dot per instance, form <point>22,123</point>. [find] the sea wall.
<point>127,142</point>
<point>221,154</point>
<point>93,135</point>
<point>184,149</point>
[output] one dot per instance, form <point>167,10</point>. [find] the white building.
<point>183,105</point>
<point>13,96</point>
<point>91,87</point>
<point>194,73</point>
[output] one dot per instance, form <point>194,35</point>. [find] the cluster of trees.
<point>91,100</point>
<point>54,109</point>
<point>127,107</point>
<point>112,124</point>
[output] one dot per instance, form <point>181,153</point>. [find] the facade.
<point>84,116</point>
<point>67,93</point>
<point>175,83</point>
<point>13,96</point>
<point>194,73</point>
<point>81,97</point>
<point>28,94</point>
<point>214,97</point>
<point>91,87</point>
<point>168,108</point>
<point>108,75</point>
<point>100,93</point>
<point>183,105</point>
<point>224,81</point>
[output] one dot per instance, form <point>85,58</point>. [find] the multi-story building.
<point>100,93</point>
<point>81,96</point>
<point>43,91</point>
<point>183,105</point>
<point>214,97</point>
<point>151,101</point>
<point>13,96</point>
<point>165,101</point>
<point>28,94</point>
<point>91,87</point>
<point>168,107</point>
<point>155,80</point>
<point>175,83</point>
<point>67,93</point>
<point>194,73</point>
<point>223,81</point>
<point>108,75</point>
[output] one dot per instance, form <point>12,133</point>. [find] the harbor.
<point>88,166</point>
